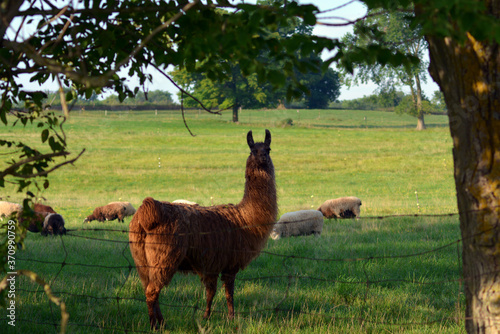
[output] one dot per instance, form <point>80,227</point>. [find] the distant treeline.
<point>120,107</point>
<point>161,100</point>
<point>396,101</point>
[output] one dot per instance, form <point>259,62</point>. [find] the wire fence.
<point>276,288</point>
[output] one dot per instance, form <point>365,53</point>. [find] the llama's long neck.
<point>259,206</point>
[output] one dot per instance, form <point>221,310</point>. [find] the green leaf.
<point>3,117</point>
<point>45,135</point>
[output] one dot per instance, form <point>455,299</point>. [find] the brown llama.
<point>208,241</point>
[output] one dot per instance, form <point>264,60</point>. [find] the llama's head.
<point>259,152</point>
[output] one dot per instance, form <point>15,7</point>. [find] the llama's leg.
<point>137,248</point>
<point>228,279</point>
<point>157,281</point>
<point>210,282</point>
<point>143,272</point>
<point>155,316</point>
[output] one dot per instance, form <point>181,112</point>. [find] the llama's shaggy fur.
<point>208,241</point>
<point>107,212</point>
<point>129,209</point>
<point>343,207</point>
<point>8,208</point>
<point>184,201</point>
<point>53,224</point>
<point>297,223</point>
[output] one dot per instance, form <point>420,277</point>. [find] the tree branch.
<point>184,118</point>
<point>104,80</point>
<point>90,11</point>
<point>183,91</point>
<point>338,7</point>
<point>156,31</point>
<point>12,169</point>
<point>351,22</point>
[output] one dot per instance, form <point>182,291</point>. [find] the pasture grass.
<point>397,274</point>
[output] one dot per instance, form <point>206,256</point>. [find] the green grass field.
<point>391,275</point>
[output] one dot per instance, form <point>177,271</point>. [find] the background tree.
<point>393,30</point>
<point>323,88</point>
<point>438,102</point>
<point>154,97</point>
<point>380,100</point>
<point>407,106</point>
<point>236,92</point>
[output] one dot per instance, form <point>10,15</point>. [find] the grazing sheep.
<point>208,241</point>
<point>43,208</point>
<point>53,224</point>
<point>343,207</point>
<point>35,222</point>
<point>8,208</point>
<point>129,209</point>
<point>184,201</point>
<point>41,212</point>
<point>107,212</point>
<point>303,222</point>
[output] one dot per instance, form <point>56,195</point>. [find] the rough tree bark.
<point>469,77</point>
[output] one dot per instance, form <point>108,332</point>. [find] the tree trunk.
<point>236,107</point>
<point>469,77</point>
<point>281,105</point>
<point>420,122</point>
<point>420,112</point>
<point>417,104</point>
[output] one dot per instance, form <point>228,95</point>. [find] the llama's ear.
<point>250,139</point>
<point>267,141</point>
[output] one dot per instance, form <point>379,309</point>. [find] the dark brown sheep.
<point>36,222</point>
<point>38,207</point>
<point>111,211</point>
<point>208,241</point>
<point>53,224</point>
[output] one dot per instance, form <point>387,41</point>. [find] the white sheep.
<point>129,209</point>
<point>297,223</point>
<point>8,208</point>
<point>343,207</point>
<point>184,201</point>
